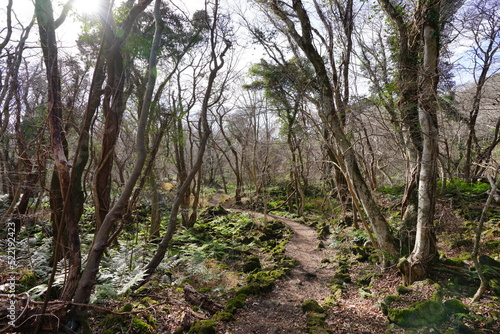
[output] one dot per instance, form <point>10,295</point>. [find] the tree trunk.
<point>217,62</point>
<point>424,249</point>
<point>333,123</point>
<point>101,239</point>
<point>46,24</point>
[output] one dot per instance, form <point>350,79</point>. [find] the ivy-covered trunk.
<point>424,250</point>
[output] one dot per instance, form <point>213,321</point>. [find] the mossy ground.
<point>226,256</point>
<point>231,257</point>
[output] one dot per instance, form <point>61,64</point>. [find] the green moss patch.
<point>252,263</point>
<point>236,303</point>
<point>250,289</point>
<point>223,316</point>
<point>454,306</point>
<point>312,305</point>
<point>420,314</point>
<point>316,319</point>
<point>203,327</point>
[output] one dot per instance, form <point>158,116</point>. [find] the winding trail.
<point>279,311</point>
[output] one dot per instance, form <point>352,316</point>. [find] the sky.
<point>68,32</point>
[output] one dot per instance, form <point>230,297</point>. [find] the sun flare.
<point>86,6</point>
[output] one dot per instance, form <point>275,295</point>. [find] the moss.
<point>250,289</point>
<point>453,261</point>
<point>126,308</point>
<point>315,319</point>
<point>341,277</point>
<point>403,290</point>
<point>388,300</point>
<point>108,321</point>
<point>453,306</point>
<point>311,305</point>
<point>139,326</point>
<point>142,289</point>
<point>148,301</point>
<point>424,313</point>
<point>252,263</point>
<point>236,303</point>
<point>223,316</point>
<point>203,327</point>
<point>465,256</point>
<point>27,281</point>
<point>330,301</point>
<point>495,286</point>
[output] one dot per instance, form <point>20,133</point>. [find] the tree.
<point>286,86</point>
<point>332,110</point>
<point>218,46</point>
<point>68,223</point>
<point>479,22</point>
<point>101,240</point>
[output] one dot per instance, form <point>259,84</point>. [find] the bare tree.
<point>479,22</point>
<point>218,46</point>
<point>298,27</point>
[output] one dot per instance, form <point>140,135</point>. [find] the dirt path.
<point>280,310</point>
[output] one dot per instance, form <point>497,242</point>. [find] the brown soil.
<point>280,310</point>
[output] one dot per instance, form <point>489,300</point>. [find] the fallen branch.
<point>197,298</point>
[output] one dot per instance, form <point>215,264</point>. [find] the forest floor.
<point>279,311</point>
<point>333,267</point>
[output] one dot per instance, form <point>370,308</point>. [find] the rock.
<point>316,319</point>
<point>453,306</point>
<point>403,290</point>
<point>251,264</point>
<point>421,314</point>
<point>312,306</point>
<point>488,261</point>
<point>203,327</point>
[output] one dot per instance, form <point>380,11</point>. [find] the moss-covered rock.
<point>210,212</point>
<point>453,306</point>
<point>403,290</point>
<point>265,279</point>
<point>252,263</point>
<point>453,261</point>
<point>203,327</point>
<point>330,301</point>
<point>223,316</point>
<point>421,314</point>
<point>488,261</point>
<point>365,280</point>
<point>495,286</point>
<point>141,327</point>
<point>126,308</point>
<point>312,305</point>
<point>316,319</point>
<point>236,303</point>
<point>388,300</point>
<point>341,277</point>
<point>250,289</point>
<point>362,253</point>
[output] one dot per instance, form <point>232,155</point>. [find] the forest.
<point>259,166</point>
